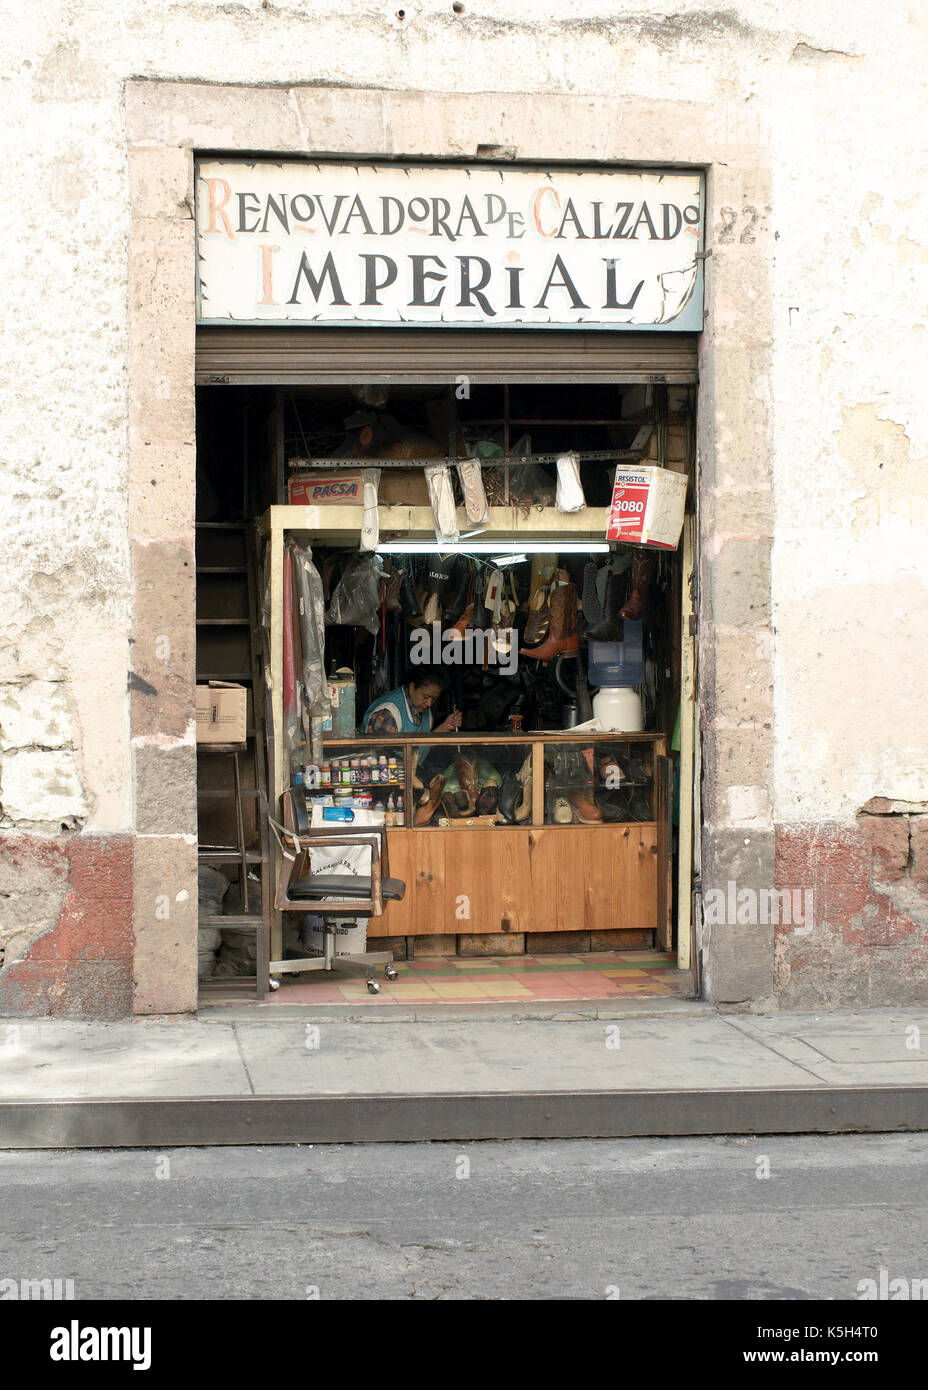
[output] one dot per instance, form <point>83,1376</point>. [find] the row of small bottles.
<point>358,772</point>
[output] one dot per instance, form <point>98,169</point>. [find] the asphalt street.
<point>728,1218</point>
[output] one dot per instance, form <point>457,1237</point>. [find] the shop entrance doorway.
<point>522,844</point>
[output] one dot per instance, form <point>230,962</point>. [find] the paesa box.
<point>326,490</point>
<point>647,506</point>
<point>222,712</point>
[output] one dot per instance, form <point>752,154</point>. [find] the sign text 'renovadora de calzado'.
<point>446,244</point>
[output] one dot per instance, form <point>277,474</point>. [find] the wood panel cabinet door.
<point>593,879</point>
<point>543,879</point>
<point>620,877</point>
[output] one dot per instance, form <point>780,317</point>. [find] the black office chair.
<point>337,896</point>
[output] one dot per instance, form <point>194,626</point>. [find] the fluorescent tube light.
<point>526,547</point>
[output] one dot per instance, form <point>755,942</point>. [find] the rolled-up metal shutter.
<point>317,356</point>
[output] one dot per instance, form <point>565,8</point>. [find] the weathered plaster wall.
<point>810,120</point>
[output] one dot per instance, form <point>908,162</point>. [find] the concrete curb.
<point>367,1119</point>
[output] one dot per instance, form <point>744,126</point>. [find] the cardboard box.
<point>334,489</point>
<point>647,506</point>
<point>403,487</point>
<point>222,711</point>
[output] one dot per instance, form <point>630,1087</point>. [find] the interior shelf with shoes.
<point>480,781</point>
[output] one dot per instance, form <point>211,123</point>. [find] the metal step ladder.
<point>232,810</point>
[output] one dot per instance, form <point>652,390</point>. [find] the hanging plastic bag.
<point>311,612</point>
<point>370,526</point>
<point>441,496</point>
<point>290,694</point>
<point>570,496</point>
<point>356,600</point>
<point>475,498</point>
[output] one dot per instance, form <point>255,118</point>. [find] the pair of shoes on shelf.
<point>570,806</point>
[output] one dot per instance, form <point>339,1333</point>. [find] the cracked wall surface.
<point>812,439</point>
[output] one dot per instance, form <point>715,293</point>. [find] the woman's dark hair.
<point>427,675</point>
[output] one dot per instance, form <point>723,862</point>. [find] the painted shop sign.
<point>299,243</point>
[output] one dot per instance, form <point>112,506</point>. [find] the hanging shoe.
<point>432,611</point>
<point>392,591</point>
<point>592,609</point>
<point>562,633</point>
<point>539,618</point>
<point>644,568</point>
<point>610,627</point>
<point>410,607</point>
<point>457,593</point>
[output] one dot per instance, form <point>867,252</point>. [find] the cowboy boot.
<point>644,569</point>
<point>488,800</point>
<point>426,811</point>
<point>410,607</point>
<point>509,794</point>
<point>562,633</point>
<point>392,591</point>
<point>610,627</point>
<point>539,618</point>
<point>466,771</point>
<point>455,597</point>
<point>592,609</point>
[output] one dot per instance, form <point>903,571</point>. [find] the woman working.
<point>408,709</point>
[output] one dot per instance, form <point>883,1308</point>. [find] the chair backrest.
<point>302,836</point>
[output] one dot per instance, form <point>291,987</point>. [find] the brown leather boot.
<point>644,569</point>
<point>562,633</point>
<point>585,808</point>
<point>539,617</point>
<point>426,811</point>
<point>466,770</point>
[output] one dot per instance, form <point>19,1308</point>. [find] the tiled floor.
<point>500,979</point>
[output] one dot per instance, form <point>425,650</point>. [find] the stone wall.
<point>811,436</point>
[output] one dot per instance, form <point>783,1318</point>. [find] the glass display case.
<point>465,783</point>
<point>598,782</point>
<point>535,833</point>
<point>473,781</point>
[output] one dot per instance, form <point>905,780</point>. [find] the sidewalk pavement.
<point>252,1076</point>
